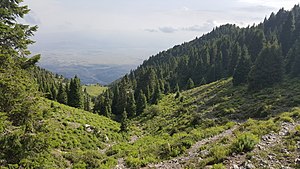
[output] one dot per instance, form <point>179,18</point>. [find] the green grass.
<point>95,89</point>
<point>75,138</point>
<point>206,111</point>
<point>79,139</point>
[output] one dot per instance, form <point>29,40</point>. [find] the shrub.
<point>244,143</point>
<point>286,119</point>
<point>218,166</point>
<point>218,153</point>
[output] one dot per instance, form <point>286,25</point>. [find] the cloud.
<point>151,30</point>
<point>167,29</point>
<point>287,4</point>
<point>256,8</point>
<point>207,26</point>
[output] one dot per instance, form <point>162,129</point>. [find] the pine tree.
<point>87,101</point>
<point>156,95</point>
<point>124,122</point>
<point>18,92</point>
<point>75,98</point>
<point>268,68</point>
<point>286,35</point>
<point>131,105</point>
<point>141,102</point>
<point>294,60</point>
<point>243,68</point>
<point>236,54</point>
<point>62,94</point>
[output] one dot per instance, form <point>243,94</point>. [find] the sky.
<point>129,31</point>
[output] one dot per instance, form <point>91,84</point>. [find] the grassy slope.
<point>76,138</point>
<point>95,89</point>
<point>80,139</point>
<point>168,129</point>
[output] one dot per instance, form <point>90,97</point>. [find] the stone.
<point>235,166</point>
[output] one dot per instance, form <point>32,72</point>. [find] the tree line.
<point>258,56</point>
<point>56,87</point>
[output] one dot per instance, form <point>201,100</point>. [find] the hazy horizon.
<point>128,32</point>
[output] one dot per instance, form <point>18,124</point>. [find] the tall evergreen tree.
<point>286,35</point>
<point>294,60</point>
<point>141,102</point>
<point>268,68</point>
<point>131,105</point>
<point>62,94</point>
<point>124,122</point>
<point>18,92</point>
<point>75,98</point>
<point>243,68</point>
<point>86,101</point>
<point>236,54</point>
<point>156,95</point>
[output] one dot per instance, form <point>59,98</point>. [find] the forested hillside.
<point>229,99</point>
<point>259,55</point>
<point>36,132</point>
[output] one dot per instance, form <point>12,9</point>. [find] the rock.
<point>297,161</point>
<point>235,166</point>
<point>249,166</point>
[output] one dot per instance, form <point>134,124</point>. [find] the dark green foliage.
<point>156,95</point>
<point>242,69</point>
<point>62,94</point>
<point>286,35</point>
<point>141,103</point>
<point>18,93</point>
<point>268,68</point>
<point>131,105</point>
<point>75,97</point>
<point>296,65</point>
<point>124,122</point>
<point>293,60</point>
<point>87,101</point>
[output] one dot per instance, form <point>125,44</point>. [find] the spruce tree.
<point>131,105</point>
<point>62,94</point>
<point>75,98</point>
<point>286,35</point>
<point>268,68</point>
<point>236,54</point>
<point>18,93</point>
<point>141,102</point>
<point>295,63</point>
<point>87,101</point>
<point>124,122</point>
<point>156,95</point>
<point>243,68</point>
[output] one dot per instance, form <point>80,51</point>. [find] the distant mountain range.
<point>90,73</point>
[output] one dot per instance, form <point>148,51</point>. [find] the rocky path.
<point>266,145</point>
<point>192,153</point>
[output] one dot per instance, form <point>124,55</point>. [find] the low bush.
<point>244,143</point>
<point>218,166</point>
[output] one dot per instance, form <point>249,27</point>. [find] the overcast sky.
<point>129,31</point>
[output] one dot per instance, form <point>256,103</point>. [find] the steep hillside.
<point>260,55</point>
<point>69,138</point>
<point>217,123</point>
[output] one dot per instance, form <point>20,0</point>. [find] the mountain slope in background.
<point>90,74</point>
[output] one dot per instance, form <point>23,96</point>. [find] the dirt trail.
<point>267,143</point>
<point>192,153</point>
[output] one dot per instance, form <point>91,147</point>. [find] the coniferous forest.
<point>227,99</point>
